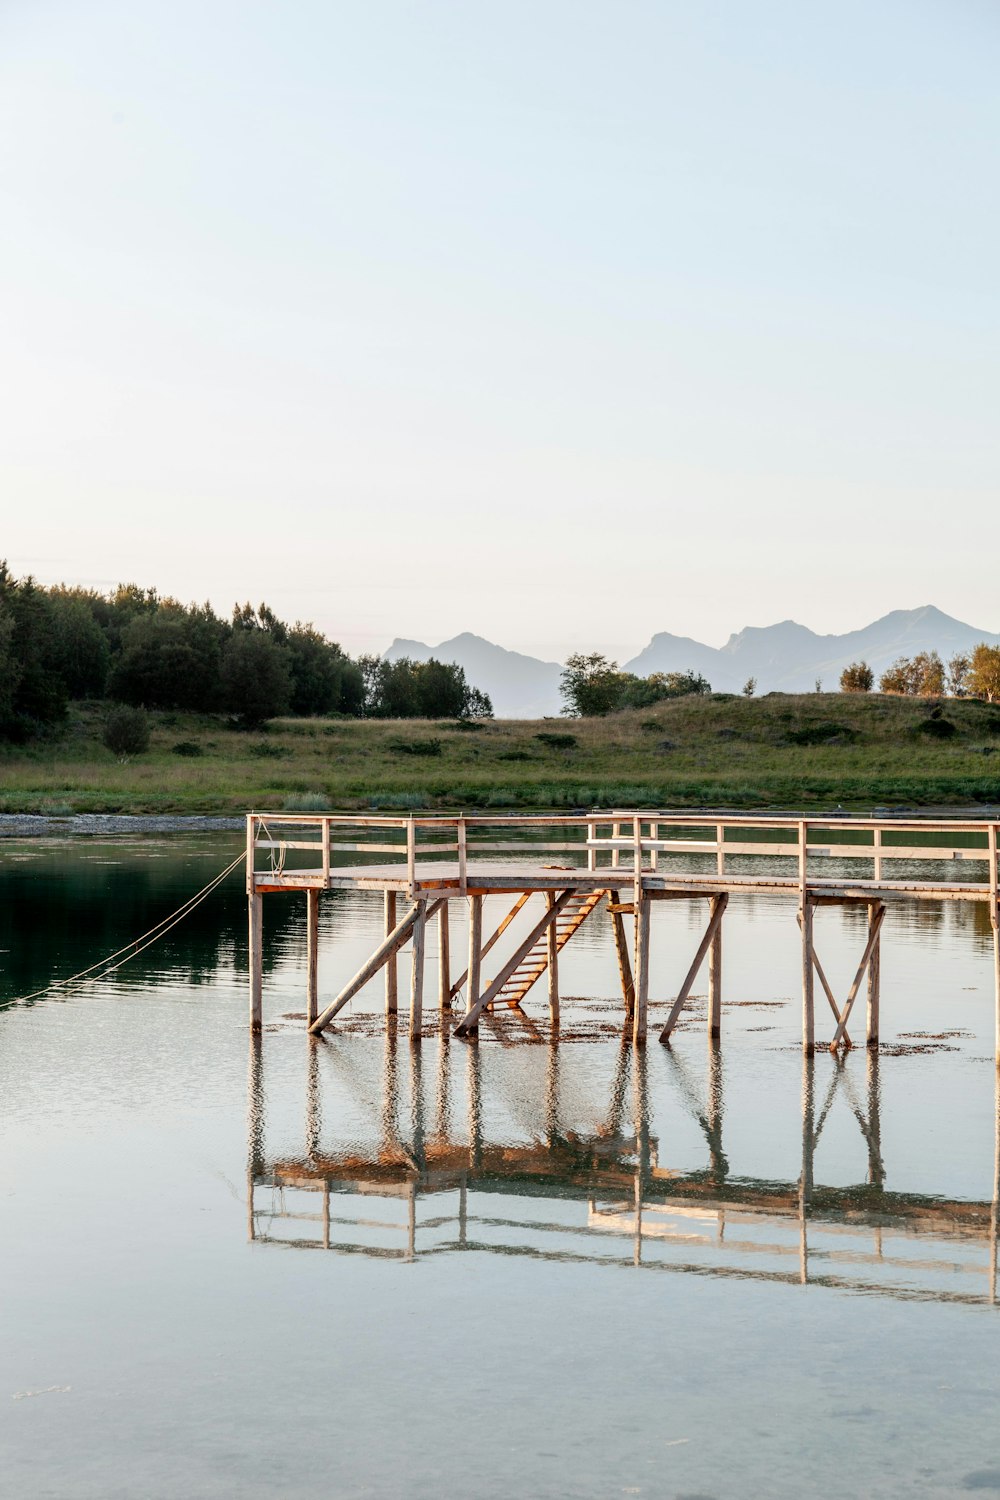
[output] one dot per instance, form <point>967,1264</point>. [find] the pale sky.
<point>562,322</point>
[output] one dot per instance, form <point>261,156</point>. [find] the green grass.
<point>815,751</point>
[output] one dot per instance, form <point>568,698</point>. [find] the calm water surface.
<point>354,1268</point>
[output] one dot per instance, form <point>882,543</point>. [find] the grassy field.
<point>816,751</point>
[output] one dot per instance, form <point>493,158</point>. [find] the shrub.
<point>404,801</point>
<point>857,678</point>
<point>307,802</point>
<point>265,750</point>
<point>126,731</point>
<point>557,741</point>
<point>188,748</point>
<point>415,747</point>
<point>827,732</point>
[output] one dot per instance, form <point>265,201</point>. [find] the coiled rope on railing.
<point>107,965</point>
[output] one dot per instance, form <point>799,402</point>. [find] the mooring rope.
<point>131,950</point>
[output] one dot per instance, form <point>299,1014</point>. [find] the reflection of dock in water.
<point>605,1196</point>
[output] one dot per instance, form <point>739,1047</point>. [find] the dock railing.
<point>624,842</point>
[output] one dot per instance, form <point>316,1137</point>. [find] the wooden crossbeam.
<point>471,1017</point>
<point>390,945</point>
<point>692,973</point>
<point>876,928</point>
<point>460,981</point>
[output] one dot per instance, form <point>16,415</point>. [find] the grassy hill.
<point>812,751</point>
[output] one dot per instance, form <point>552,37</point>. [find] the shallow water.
<point>552,1269</point>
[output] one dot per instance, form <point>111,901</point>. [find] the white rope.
<point>133,949</point>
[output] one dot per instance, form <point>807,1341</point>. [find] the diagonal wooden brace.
<point>395,940</point>
<point>460,981</point>
<point>692,973</point>
<point>828,992</point>
<point>471,1017</point>
<point>876,928</point>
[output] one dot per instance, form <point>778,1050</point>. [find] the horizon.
<point>416,321</point>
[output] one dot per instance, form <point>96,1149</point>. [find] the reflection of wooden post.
<point>444,957</point>
<point>312,955</point>
<point>715,974</point>
<point>876,1169</point>
<point>874,977</point>
<point>326,1213</point>
<point>255,1126</point>
<point>552,1094</point>
<point>995,923</point>
<point>641,966</point>
<point>808,1152</point>
<point>256,923</point>
<point>417,971</point>
<point>552,954</point>
<point>475,1110</point>
<point>391,965</point>
<point>312,1100</point>
<point>417,1122</point>
<point>995,1208</point>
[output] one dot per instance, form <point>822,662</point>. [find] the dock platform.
<point>559,870</point>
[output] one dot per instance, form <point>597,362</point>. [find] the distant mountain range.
<point>785,658</point>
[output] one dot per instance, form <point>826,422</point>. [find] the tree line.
<point>136,647</point>
<point>974,674</point>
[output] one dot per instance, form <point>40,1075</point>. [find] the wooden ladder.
<point>536,960</point>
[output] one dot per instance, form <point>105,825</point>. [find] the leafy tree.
<point>857,678</point>
<point>40,695</point>
<point>928,674</point>
<point>900,678</point>
<point>749,687</point>
<point>126,731</point>
<point>958,674</point>
<point>591,685</point>
<point>10,667</point>
<point>255,678</point>
<point>170,658</point>
<point>80,650</point>
<point>984,672</point>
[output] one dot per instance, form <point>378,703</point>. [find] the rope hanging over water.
<point>108,965</point>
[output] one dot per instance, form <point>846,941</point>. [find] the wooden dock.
<point>558,870</point>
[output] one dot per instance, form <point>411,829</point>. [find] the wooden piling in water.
<point>312,955</point>
<point>718,906</point>
<point>444,959</point>
<point>392,964</point>
<point>417,971</point>
<point>255,905</point>
<point>874,977</point>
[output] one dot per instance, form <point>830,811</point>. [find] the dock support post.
<point>641,967</point>
<point>475,952</point>
<point>391,967</point>
<point>808,994</point>
<point>256,922</point>
<point>312,956</point>
<point>874,977</point>
<point>444,957</point>
<point>718,904</point>
<point>552,956</point>
<point>991,834</point>
<point>417,971</point>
